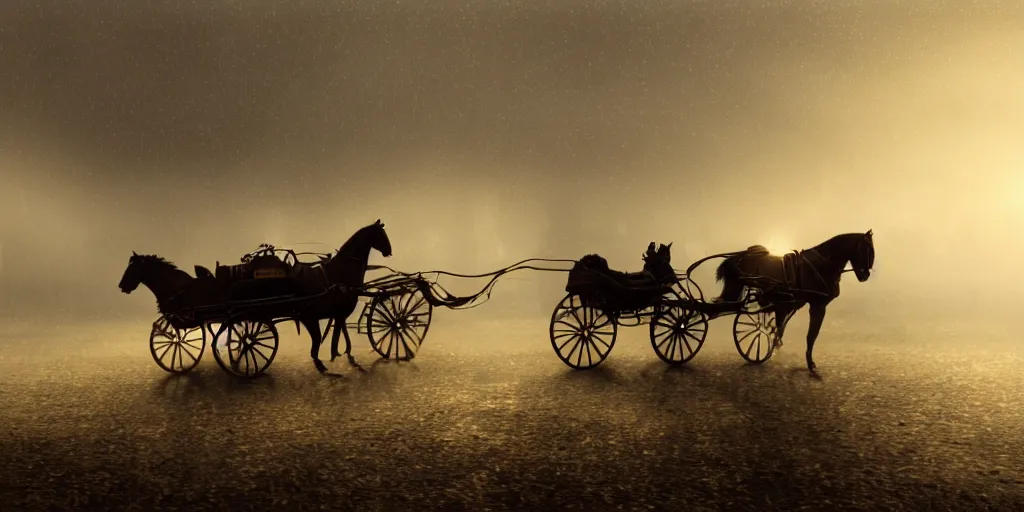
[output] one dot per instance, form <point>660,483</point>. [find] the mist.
<point>482,135</point>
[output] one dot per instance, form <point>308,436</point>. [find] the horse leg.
<point>348,345</point>
<point>233,360</point>
<point>781,315</point>
<point>313,328</point>
<point>817,316</point>
<point>335,336</point>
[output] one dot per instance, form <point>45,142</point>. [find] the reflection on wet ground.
<point>505,426</point>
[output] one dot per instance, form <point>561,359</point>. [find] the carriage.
<point>599,300</point>
<point>395,316</point>
<point>250,299</point>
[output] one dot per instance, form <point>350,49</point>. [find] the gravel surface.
<point>481,423</point>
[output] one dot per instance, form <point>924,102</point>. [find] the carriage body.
<point>616,293</point>
<point>584,325</point>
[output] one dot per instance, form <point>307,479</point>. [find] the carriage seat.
<point>640,279</point>
<point>265,266</point>
<point>269,266</point>
<point>203,272</point>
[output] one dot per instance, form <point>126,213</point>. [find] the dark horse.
<point>345,270</point>
<point>175,290</point>
<point>807,277</point>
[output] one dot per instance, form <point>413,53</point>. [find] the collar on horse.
<point>800,259</point>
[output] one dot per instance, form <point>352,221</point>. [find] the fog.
<point>483,133</point>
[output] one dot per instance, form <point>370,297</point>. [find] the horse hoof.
<point>320,367</point>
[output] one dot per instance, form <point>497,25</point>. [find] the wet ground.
<point>488,418</point>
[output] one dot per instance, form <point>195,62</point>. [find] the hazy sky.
<point>486,132</point>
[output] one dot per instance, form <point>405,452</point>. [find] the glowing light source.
<point>778,246</point>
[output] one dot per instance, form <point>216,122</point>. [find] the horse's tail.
<point>728,271</point>
<point>723,269</point>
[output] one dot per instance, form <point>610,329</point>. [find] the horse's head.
<point>665,252</point>
<point>863,258</point>
<point>134,274</point>
<point>659,263</point>
<point>379,238</point>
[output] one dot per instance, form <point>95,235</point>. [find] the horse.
<point>345,270</point>
<point>173,288</point>
<point>806,277</point>
<point>342,274</point>
<point>658,263</point>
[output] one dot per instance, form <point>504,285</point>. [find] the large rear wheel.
<point>398,324</point>
<point>582,336</point>
<point>246,348</point>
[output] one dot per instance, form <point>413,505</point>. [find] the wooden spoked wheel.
<point>245,348</point>
<point>176,350</point>
<point>582,336</point>
<point>398,324</point>
<point>677,334</point>
<point>754,334</point>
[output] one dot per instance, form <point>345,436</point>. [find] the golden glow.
<point>778,246</point>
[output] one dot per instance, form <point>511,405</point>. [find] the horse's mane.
<point>843,238</point>
<point>153,258</point>
<point>361,232</point>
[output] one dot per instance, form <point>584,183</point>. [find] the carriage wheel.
<point>754,334</point>
<point>246,348</point>
<point>582,336</point>
<point>398,324</point>
<point>677,334</point>
<point>176,350</point>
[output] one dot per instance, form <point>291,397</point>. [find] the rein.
<point>398,279</point>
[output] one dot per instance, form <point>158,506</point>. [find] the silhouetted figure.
<point>789,282</point>
<point>612,290</point>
